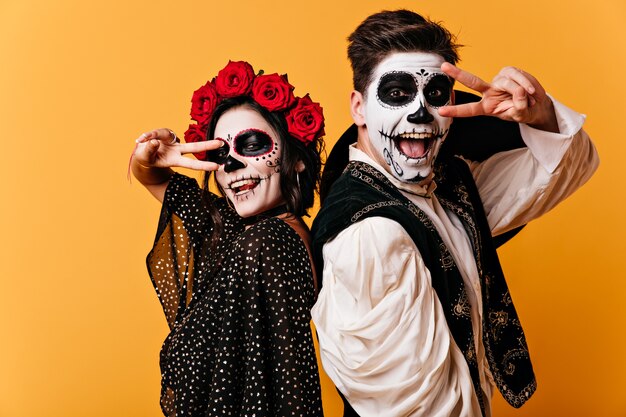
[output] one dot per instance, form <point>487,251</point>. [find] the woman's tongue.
<point>413,148</point>
<point>246,187</point>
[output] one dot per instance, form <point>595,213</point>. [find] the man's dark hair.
<point>395,31</point>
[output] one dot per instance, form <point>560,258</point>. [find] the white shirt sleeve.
<point>520,185</point>
<point>383,336</point>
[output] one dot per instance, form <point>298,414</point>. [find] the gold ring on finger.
<point>174,137</point>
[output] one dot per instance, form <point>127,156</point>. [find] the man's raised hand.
<point>513,95</point>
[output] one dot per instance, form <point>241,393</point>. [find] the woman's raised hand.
<point>160,148</point>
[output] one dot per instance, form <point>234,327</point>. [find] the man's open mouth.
<point>414,145</point>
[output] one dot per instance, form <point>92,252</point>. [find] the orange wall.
<point>80,324</point>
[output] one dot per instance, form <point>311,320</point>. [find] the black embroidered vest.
<point>362,191</point>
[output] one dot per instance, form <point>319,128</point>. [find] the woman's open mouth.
<point>243,186</point>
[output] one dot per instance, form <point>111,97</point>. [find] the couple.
<point>410,304</point>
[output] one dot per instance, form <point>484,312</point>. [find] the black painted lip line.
<point>434,136</point>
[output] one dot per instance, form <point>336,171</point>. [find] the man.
<point>414,317</point>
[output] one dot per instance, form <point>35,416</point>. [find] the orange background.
<point>80,325</point>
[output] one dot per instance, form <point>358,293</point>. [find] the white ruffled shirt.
<point>383,336</point>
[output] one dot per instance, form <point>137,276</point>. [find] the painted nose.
<point>420,116</point>
<point>232,164</point>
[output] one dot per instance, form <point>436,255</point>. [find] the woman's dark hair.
<point>298,188</point>
<point>395,31</point>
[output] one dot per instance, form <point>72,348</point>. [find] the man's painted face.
<point>401,114</point>
<point>250,161</point>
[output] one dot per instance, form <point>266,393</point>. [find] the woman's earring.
<point>298,179</point>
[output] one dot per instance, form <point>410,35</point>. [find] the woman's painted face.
<point>401,114</point>
<point>250,161</point>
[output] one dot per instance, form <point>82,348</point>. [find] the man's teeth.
<point>423,135</point>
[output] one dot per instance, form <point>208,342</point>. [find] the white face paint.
<point>401,114</point>
<point>250,159</point>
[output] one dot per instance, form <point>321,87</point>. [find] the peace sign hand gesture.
<point>513,95</point>
<point>159,148</point>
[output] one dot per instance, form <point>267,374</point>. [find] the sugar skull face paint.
<point>248,143</point>
<point>250,161</point>
<point>401,114</point>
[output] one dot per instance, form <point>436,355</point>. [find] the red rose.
<point>235,79</point>
<point>273,92</point>
<point>203,103</point>
<point>305,122</point>
<point>196,133</point>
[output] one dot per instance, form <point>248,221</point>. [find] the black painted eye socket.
<point>218,155</point>
<point>397,89</point>
<point>253,143</point>
<point>437,91</point>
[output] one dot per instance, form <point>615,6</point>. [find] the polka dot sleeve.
<point>180,261</point>
<point>183,197</point>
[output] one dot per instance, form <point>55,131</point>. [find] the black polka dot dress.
<point>240,342</point>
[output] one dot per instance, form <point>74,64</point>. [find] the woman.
<point>234,274</point>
